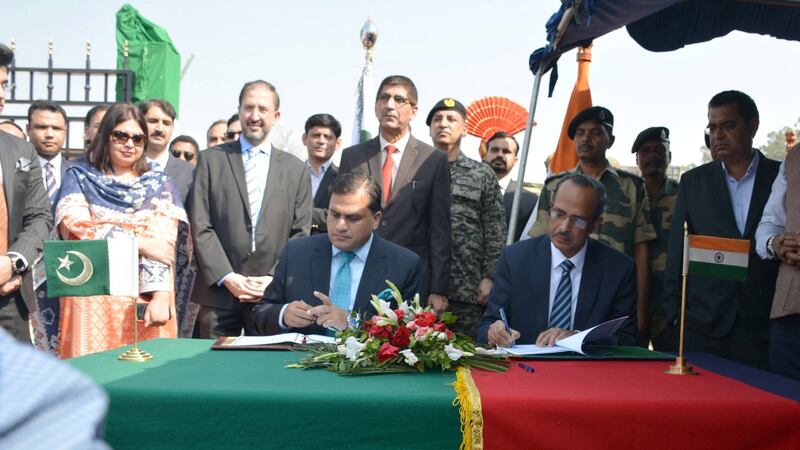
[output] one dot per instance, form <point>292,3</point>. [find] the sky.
<point>310,50</point>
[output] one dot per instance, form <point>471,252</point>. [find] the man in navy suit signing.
<point>322,278</point>
<point>553,286</point>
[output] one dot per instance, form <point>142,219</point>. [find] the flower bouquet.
<point>406,339</point>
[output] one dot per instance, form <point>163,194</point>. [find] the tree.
<point>775,148</point>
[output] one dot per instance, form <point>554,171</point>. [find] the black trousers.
<point>14,317</point>
<point>784,346</point>
<point>214,322</point>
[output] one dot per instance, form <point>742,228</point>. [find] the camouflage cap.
<point>651,134</point>
<point>446,104</point>
<point>6,55</point>
<point>596,113</point>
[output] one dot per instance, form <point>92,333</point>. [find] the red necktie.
<point>3,221</point>
<point>388,168</point>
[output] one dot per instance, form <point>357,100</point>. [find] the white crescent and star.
<point>81,278</point>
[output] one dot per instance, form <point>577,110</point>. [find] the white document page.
<point>284,338</point>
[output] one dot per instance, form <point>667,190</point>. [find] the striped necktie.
<point>3,221</point>
<point>50,182</point>
<point>561,313</point>
<point>340,292</point>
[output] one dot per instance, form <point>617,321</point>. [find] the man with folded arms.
<point>321,279</point>
<point>552,286</point>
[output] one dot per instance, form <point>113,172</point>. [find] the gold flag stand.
<point>136,354</point>
<point>680,367</point>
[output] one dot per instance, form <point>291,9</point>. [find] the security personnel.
<point>653,157</point>
<point>627,223</point>
<point>477,218</point>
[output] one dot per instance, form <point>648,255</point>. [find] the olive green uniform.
<point>661,209</point>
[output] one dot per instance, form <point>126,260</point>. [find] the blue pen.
<point>505,323</point>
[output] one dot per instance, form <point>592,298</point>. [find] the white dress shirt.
<point>556,258</point>
<point>161,161</point>
<point>504,182</point>
<point>773,220</point>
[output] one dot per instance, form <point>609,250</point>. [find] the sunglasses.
<point>188,156</point>
<point>233,134</point>
<point>121,138</point>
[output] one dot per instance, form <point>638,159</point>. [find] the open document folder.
<point>572,343</point>
<point>284,341</point>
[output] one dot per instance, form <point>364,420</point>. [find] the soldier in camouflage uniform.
<point>653,157</point>
<point>626,223</point>
<point>477,218</point>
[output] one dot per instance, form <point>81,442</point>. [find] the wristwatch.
<point>771,246</point>
<point>17,263</point>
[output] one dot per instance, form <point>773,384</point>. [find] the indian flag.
<point>717,257</point>
<point>92,267</point>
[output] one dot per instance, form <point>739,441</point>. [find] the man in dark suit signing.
<point>321,279</point>
<point>415,179</point>
<point>248,199</point>
<point>725,198</point>
<point>554,285</point>
<point>25,220</point>
<point>322,138</point>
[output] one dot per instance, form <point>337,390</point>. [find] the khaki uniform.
<point>478,230</point>
<point>661,209</point>
<point>626,220</point>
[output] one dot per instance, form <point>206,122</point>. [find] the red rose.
<point>387,351</point>
<point>439,326</point>
<point>399,313</point>
<point>401,337</point>
<point>381,332</point>
<point>425,319</point>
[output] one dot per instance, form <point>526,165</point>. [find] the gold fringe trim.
<point>468,399</point>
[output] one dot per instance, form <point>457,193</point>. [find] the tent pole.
<point>523,160</point>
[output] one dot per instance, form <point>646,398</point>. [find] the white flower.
<point>453,353</point>
<point>439,335</point>
<point>351,348</point>
<point>409,356</point>
<point>406,308</point>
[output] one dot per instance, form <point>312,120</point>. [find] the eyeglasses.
<point>232,134</point>
<point>188,156</point>
<point>398,99</point>
<point>121,138</point>
<point>726,127</point>
<point>558,215</point>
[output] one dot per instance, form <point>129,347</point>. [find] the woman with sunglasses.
<point>116,196</point>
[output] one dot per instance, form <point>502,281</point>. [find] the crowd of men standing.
<point>282,243</point>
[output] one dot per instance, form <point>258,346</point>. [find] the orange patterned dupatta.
<point>92,205</point>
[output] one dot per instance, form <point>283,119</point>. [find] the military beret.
<point>650,134</point>
<point>6,55</point>
<point>446,104</point>
<point>596,113</point>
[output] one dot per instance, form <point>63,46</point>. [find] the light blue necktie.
<point>562,303</point>
<point>50,182</point>
<point>340,293</point>
<point>154,165</point>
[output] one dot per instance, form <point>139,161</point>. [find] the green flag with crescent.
<point>83,268</point>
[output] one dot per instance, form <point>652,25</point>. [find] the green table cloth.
<point>192,397</point>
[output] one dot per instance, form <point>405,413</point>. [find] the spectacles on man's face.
<point>232,135</point>
<point>726,127</point>
<point>121,138</point>
<point>398,99</point>
<point>558,215</point>
<point>188,156</point>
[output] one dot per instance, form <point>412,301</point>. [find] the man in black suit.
<point>553,285</point>
<point>725,198</point>
<point>306,293</point>
<point>322,139</point>
<point>47,131</point>
<point>415,180</point>
<point>248,199</point>
<point>25,220</point>
<point>501,156</point>
<point>160,117</point>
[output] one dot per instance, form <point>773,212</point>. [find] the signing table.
<point>193,397</point>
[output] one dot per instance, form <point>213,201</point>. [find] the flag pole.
<point>135,354</point>
<point>680,367</point>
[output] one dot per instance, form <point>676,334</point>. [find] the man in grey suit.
<point>322,139</point>
<point>160,117</point>
<point>415,179</point>
<point>248,200</point>
<point>25,220</point>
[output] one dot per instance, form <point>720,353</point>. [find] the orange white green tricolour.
<point>717,257</point>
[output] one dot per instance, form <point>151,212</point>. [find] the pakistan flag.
<point>85,268</point>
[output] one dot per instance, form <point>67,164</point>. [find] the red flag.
<point>565,156</point>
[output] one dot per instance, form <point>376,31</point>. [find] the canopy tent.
<point>656,25</point>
